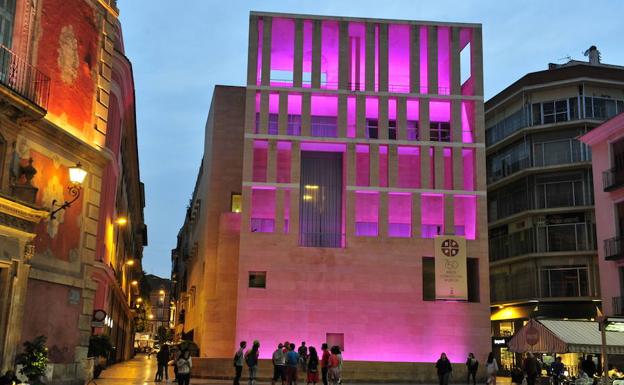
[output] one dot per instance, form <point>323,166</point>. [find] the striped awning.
<point>560,336</point>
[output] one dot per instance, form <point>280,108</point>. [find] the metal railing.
<point>24,79</point>
<point>613,248</point>
<point>612,179</point>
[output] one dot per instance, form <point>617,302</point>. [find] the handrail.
<point>23,78</point>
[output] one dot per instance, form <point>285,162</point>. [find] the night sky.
<point>181,49</point>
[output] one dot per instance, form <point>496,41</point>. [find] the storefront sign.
<point>500,342</point>
<point>451,274</point>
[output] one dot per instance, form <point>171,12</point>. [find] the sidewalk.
<point>141,371</point>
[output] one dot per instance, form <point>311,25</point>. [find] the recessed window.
<point>257,279</point>
<point>335,339</point>
<point>236,203</point>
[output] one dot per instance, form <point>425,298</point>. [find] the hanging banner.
<point>451,272</point>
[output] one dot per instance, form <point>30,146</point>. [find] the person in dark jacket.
<point>531,368</point>
<point>471,367</point>
<point>162,358</point>
<point>444,369</point>
<point>589,366</point>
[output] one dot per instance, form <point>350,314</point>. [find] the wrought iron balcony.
<point>612,179</point>
<point>613,248</point>
<point>618,305</point>
<point>23,79</point>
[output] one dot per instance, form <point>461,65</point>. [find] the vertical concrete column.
<point>477,61</point>
<point>432,59</point>
<point>458,169</point>
<point>369,76</point>
<point>293,216</point>
<point>438,167</point>
<point>305,113</point>
<point>272,161</point>
<point>374,164</point>
<point>415,59</point>
<point>298,64</point>
<point>250,111</point>
<point>295,163</point>
<point>456,121</point>
<point>266,51</point>
<point>383,57</point>
<point>425,168</point>
<point>360,116</point>
<point>264,113</point>
<point>351,162</point>
<point>316,54</point>
<point>350,214</point>
<point>382,123</point>
<point>279,211</point>
<point>17,299</point>
<point>455,62</point>
<point>482,220</point>
<point>416,215</point>
<point>344,56</point>
<point>479,123</point>
<point>282,119</point>
<point>401,118</point>
<point>481,184</point>
<point>383,215</point>
<point>449,214</point>
<point>342,116</point>
<point>246,209</point>
<point>248,159</point>
<point>252,51</point>
<point>423,119</point>
<point>393,165</point>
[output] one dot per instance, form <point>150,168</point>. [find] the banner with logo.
<point>451,272</point>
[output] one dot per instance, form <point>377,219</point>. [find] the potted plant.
<point>34,360</point>
<point>100,347</point>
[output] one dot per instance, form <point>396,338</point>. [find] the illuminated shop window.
<point>257,279</point>
<point>236,204</point>
<point>262,210</point>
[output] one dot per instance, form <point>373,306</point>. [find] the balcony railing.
<point>613,248</point>
<point>24,79</point>
<point>612,179</point>
<point>509,169</point>
<point>618,305</point>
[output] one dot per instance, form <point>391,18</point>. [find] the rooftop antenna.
<point>593,54</point>
<point>566,58</point>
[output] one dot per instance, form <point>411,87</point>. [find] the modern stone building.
<point>315,212</point>
<point>540,196</point>
<point>67,100</point>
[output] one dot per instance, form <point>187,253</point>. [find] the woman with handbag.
<point>184,367</point>
<point>491,368</point>
<point>313,362</point>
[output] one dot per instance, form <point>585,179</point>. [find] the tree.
<point>34,359</point>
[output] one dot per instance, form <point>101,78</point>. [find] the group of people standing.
<point>444,369</point>
<point>288,363</point>
<point>181,362</point>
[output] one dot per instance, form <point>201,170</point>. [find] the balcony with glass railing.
<point>613,248</point>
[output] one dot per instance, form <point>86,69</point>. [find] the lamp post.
<point>77,175</point>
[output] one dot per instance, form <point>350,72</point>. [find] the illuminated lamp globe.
<point>162,292</point>
<point>134,283</point>
<point>130,262</point>
<point>77,174</point>
<point>121,221</point>
<point>151,316</point>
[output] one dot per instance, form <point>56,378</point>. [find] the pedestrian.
<point>313,363</point>
<point>324,363</point>
<point>472,365</point>
<point>333,373</point>
<point>239,358</point>
<point>185,364</point>
<point>279,364</point>
<point>556,370</point>
<point>530,368</point>
<point>176,356</point>
<point>303,357</point>
<point>491,368</point>
<point>162,360</point>
<point>9,378</point>
<point>292,360</point>
<point>444,369</point>
<point>517,376</point>
<point>251,358</point>
<point>589,366</point>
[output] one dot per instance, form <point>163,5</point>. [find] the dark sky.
<point>181,49</point>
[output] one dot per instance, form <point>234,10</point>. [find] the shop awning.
<point>555,336</point>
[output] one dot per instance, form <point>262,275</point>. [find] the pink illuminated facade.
<point>607,147</point>
<point>363,140</point>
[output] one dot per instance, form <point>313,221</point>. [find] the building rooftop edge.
<point>573,69</point>
<point>604,131</point>
<point>357,18</point>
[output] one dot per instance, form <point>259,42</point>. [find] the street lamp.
<point>121,221</point>
<point>77,175</point>
<point>130,262</point>
<point>134,282</point>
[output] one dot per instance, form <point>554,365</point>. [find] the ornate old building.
<point>71,200</point>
